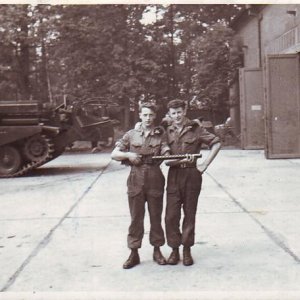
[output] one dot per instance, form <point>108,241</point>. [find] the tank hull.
<point>31,135</point>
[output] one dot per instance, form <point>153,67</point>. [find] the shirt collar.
<point>185,123</point>
<point>142,132</point>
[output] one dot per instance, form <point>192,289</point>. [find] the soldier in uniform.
<point>145,182</point>
<point>185,179</point>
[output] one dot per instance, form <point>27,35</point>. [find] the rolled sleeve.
<point>124,143</point>
<point>207,138</point>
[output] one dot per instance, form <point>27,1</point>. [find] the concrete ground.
<point>63,229</point>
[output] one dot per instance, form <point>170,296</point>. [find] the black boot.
<point>174,257</point>
<point>133,259</point>
<point>187,257</point>
<point>158,257</point>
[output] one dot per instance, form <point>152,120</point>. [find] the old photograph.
<point>149,151</point>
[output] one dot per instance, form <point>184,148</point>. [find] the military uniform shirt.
<point>145,176</point>
<point>184,182</point>
<point>190,139</point>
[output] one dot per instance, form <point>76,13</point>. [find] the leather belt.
<point>184,166</point>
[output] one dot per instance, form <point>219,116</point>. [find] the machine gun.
<point>149,159</point>
<point>176,156</point>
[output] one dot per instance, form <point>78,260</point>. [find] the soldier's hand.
<point>134,158</point>
<point>189,159</point>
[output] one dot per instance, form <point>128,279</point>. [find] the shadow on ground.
<point>64,170</point>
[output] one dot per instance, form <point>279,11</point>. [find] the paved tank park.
<point>63,233</point>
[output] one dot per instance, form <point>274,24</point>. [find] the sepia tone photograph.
<point>149,151</point>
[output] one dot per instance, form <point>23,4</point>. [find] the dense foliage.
<point>112,52</point>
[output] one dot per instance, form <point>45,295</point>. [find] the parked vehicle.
<point>33,133</point>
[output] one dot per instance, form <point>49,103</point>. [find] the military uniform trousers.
<point>183,189</point>
<point>145,185</point>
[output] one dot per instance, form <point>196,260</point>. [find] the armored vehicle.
<point>33,133</point>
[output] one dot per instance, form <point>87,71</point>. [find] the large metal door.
<point>282,106</point>
<point>252,109</point>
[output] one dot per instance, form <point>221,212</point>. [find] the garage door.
<point>252,109</point>
<point>282,106</point>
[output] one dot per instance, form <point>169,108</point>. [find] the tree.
<point>180,26</point>
<point>109,52</point>
<point>15,42</point>
<point>214,67</point>
<point>25,34</point>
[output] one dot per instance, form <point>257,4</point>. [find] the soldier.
<point>145,182</point>
<point>185,179</point>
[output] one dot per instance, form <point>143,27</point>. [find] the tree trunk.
<point>172,55</point>
<point>126,113</point>
<point>23,59</point>
<point>44,88</point>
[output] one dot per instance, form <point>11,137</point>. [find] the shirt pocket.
<point>154,147</point>
<point>190,144</point>
<point>136,146</point>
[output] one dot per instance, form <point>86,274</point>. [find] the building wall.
<point>279,29</point>
<point>280,33</point>
<point>276,28</point>
<point>248,40</point>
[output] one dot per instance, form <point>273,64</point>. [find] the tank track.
<point>29,166</point>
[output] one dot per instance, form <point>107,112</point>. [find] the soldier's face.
<point>147,116</point>
<point>177,115</point>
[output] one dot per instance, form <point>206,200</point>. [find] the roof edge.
<point>249,12</point>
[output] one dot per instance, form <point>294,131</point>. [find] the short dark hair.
<point>176,103</point>
<point>149,105</point>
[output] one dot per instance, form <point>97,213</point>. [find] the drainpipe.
<point>259,19</point>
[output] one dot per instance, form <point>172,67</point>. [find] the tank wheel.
<point>37,147</point>
<point>10,160</point>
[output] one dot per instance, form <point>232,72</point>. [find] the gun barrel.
<point>175,156</point>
